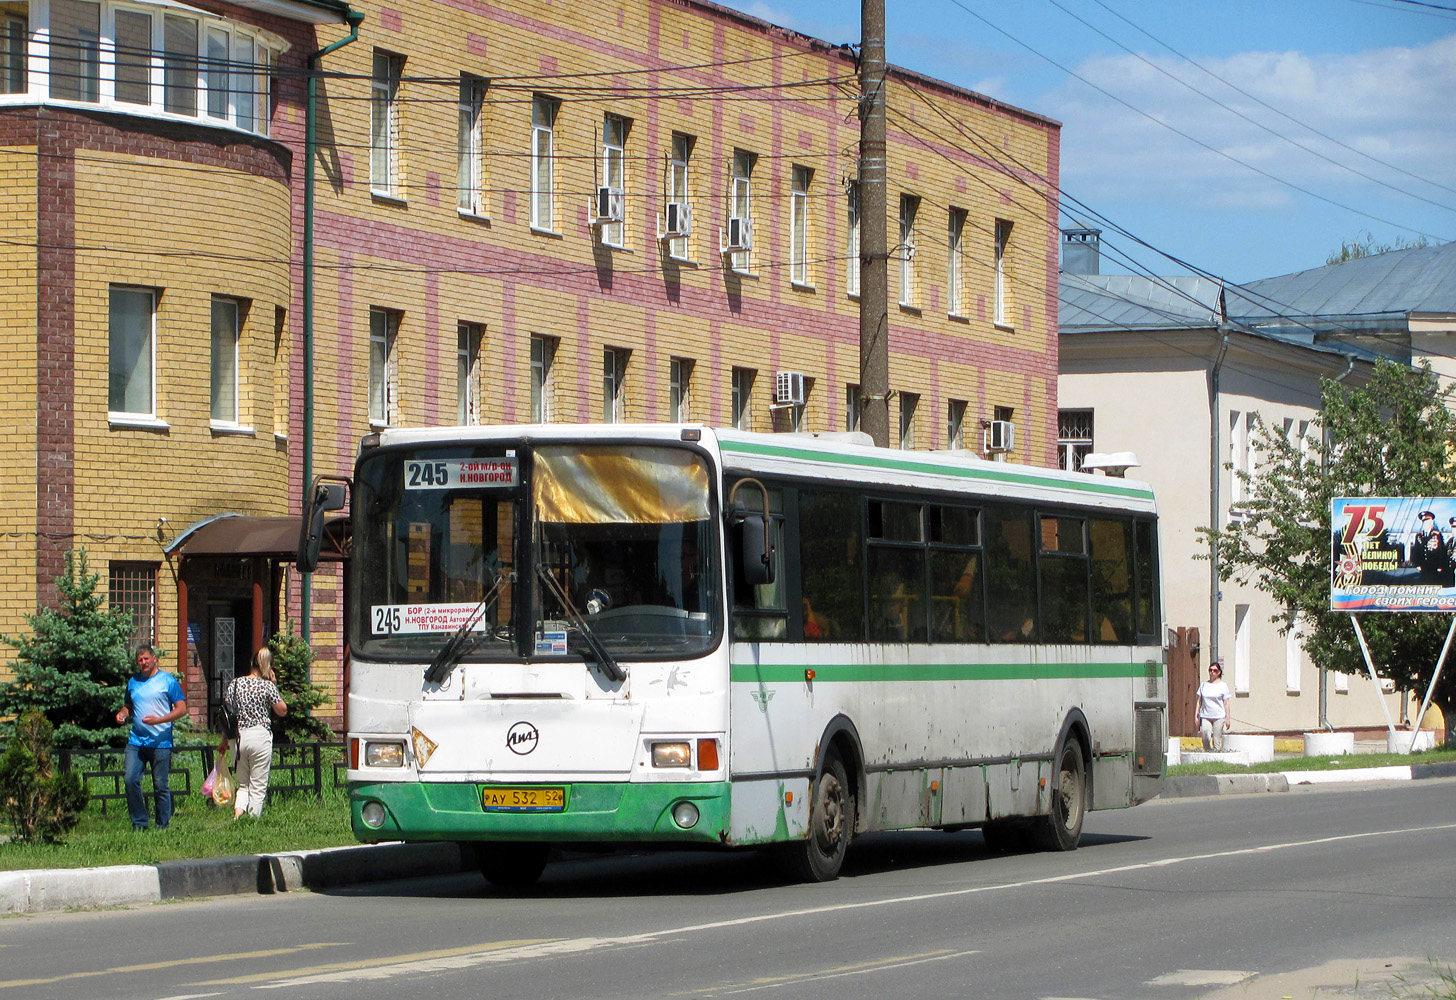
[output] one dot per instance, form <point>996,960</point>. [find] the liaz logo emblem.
<point>522,738</point>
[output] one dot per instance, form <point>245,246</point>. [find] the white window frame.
<point>801,178</point>
<point>226,364</point>
<point>740,204</point>
<point>1073,448</point>
<point>679,389</point>
<point>544,112</point>
<point>955,271</point>
<point>469,148</point>
<point>543,357</point>
<point>384,82</point>
<point>909,210</point>
<point>853,265</point>
<point>15,54</point>
<point>614,173</point>
<point>383,391</point>
<point>1001,290</point>
<point>1243,647</point>
<point>1293,658</point>
<point>742,402</point>
<point>614,381</point>
<point>679,188</point>
<point>146,352</point>
<point>468,340</point>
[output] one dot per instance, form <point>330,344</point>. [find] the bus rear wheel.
<point>818,857</point>
<point>1061,829</point>
<point>510,865</point>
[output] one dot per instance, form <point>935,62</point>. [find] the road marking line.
<point>864,970</point>
<point>506,951</point>
<point>173,963</point>
<point>1202,977</point>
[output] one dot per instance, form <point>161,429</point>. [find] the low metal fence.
<point>297,767</point>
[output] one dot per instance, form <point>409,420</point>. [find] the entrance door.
<point>1183,678</point>
<point>229,646</point>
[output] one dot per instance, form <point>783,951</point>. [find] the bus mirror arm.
<point>755,553</point>
<point>323,497</point>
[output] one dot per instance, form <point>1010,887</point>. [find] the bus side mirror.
<point>755,554</point>
<point>323,498</point>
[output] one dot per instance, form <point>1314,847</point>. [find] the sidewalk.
<point>44,891</point>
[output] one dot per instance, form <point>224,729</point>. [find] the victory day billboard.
<point>1393,554</point>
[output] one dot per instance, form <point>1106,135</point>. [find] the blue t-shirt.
<point>157,695</point>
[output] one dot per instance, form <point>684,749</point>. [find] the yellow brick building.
<point>640,210</point>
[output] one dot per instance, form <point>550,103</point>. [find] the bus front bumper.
<point>594,812</point>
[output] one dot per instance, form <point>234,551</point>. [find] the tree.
<point>1355,248</point>
<point>292,658</point>
<point>39,801</point>
<point>1393,437</point>
<point>74,666</point>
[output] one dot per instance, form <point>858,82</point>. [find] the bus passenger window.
<point>760,611</point>
<point>1112,592</point>
<point>1010,576</point>
<point>832,588</point>
<point>1064,591</point>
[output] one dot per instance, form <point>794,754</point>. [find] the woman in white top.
<point>253,696</point>
<point>1214,702</point>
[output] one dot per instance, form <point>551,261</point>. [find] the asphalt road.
<point>1342,889</point>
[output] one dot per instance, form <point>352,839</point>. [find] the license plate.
<point>523,799</point>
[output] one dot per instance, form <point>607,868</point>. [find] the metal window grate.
<point>133,588</point>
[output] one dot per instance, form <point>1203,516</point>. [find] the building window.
<point>1074,438</point>
<point>543,128</point>
<point>469,158</point>
<point>740,209</point>
<point>679,193</point>
<point>1002,290</point>
<point>543,353</point>
<point>1293,658</point>
<point>134,59</point>
<point>614,181</point>
<point>14,40</point>
<point>799,225</point>
<point>851,249</point>
<point>853,406</point>
<point>226,314</point>
<point>1241,455</point>
<point>909,403</point>
<point>955,272</point>
<point>383,334</point>
<point>743,398</point>
<point>1243,643</point>
<point>955,423</point>
<point>909,208</point>
<point>384,124</point>
<point>75,50</point>
<point>179,65</point>
<point>132,588</point>
<point>468,337</point>
<point>614,377</point>
<point>679,382</point>
<point>132,338</point>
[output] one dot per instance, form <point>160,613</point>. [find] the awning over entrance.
<point>256,537</point>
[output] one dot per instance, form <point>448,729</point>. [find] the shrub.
<point>39,802</point>
<point>292,659</point>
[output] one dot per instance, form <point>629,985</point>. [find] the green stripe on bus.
<point>1092,485</point>
<point>833,673</point>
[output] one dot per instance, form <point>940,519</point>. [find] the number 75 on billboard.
<point>1393,554</point>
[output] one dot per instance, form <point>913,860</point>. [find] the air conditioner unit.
<point>611,205</point>
<point>1000,435</point>
<point>789,389</point>
<point>740,235</point>
<point>679,220</point>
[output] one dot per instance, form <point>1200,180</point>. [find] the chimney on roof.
<point>1082,251</point>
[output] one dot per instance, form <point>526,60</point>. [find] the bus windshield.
<point>556,551</point>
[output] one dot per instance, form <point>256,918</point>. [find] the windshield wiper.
<point>464,639</point>
<point>609,665</point>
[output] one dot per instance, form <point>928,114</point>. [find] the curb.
<point>46,891</point>
<point>1194,785</point>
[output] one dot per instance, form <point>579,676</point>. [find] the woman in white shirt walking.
<point>252,696</point>
<point>1215,702</point>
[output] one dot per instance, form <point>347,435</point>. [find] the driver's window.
<point>761,611</point>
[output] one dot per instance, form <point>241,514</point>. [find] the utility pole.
<point>874,318</point>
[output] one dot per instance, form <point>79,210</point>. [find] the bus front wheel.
<point>511,865</point>
<point>1061,829</point>
<point>818,857</point>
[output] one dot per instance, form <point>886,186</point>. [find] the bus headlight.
<point>685,815</point>
<point>372,813</point>
<point>384,754</point>
<point>679,754</point>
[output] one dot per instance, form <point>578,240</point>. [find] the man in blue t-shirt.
<point>154,700</point>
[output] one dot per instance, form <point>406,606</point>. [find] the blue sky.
<point>1368,87</point>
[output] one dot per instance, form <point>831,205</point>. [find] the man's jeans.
<point>137,758</point>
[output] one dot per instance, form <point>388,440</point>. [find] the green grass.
<point>1345,762</point>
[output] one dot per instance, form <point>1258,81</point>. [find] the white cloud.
<point>1396,104</point>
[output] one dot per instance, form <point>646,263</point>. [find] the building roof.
<point>1097,303</point>
<point>1371,293</point>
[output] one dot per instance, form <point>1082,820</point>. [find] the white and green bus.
<point>674,635</point>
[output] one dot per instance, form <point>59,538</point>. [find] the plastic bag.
<point>221,780</point>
